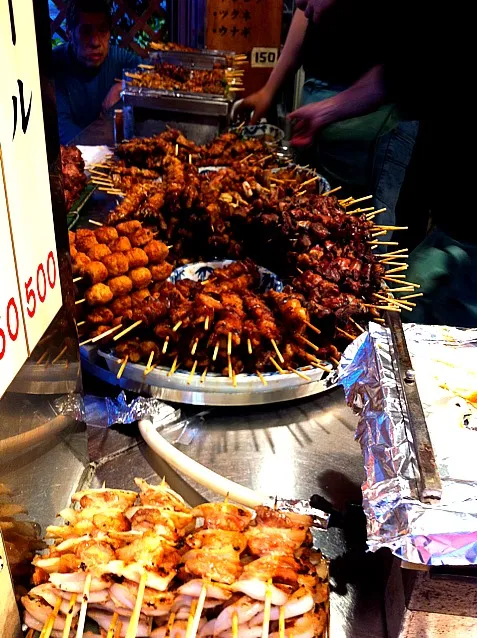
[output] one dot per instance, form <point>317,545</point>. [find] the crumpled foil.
<point>301,506</point>
<point>445,362</point>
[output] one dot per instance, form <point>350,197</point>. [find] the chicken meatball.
<point>98,251</point>
<point>116,263</point>
<point>141,277</point>
<point>79,263</point>
<point>120,245</point>
<point>156,251</point>
<point>98,295</point>
<point>142,237</point>
<point>96,272</point>
<point>120,285</point>
<point>100,316</point>
<point>106,234</point>
<point>85,243</point>
<point>127,228</point>
<point>137,258</point>
<point>120,305</point>
<point>139,296</point>
<point>160,272</point>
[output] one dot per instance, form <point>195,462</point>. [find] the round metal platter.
<point>176,388</point>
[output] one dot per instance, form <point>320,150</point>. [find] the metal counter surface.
<point>294,450</point>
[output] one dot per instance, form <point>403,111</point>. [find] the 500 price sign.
<point>30,295</point>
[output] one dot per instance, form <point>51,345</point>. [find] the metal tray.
<point>175,388</point>
<point>204,59</point>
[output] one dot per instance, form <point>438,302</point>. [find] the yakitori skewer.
<point>128,329</point>
<point>112,626</point>
<point>355,323</point>
<point>300,374</point>
<point>84,606</point>
<point>69,616</point>
<point>134,621</point>
<point>330,192</point>
<point>275,365</point>
<point>123,365</point>
<point>50,621</point>
<point>279,354</point>
<point>198,612</point>
<point>262,378</point>
<point>204,374</point>
<point>192,372</point>
<point>266,610</point>
<point>345,334</point>
<point>60,354</point>
<point>107,333</point>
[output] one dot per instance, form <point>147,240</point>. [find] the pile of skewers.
<point>148,565</point>
<point>322,247</point>
<point>165,76</point>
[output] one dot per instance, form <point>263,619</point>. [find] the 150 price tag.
<point>263,57</point>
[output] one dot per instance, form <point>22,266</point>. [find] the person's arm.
<point>288,63</point>
<point>68,129</point>
<point>363,97</point>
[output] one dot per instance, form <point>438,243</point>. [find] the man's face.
<point>90,39</point>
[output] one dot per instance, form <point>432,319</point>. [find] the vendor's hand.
<point>258,104</point>
<point>308,120</point>
<point>113,96</point>
<point>314,8</point>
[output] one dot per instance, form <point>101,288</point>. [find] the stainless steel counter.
<point>294,450</point>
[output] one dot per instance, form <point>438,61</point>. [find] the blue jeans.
<point>368,155</point>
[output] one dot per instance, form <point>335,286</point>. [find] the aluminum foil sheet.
<point>445,362</point>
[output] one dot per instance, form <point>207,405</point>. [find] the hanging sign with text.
<point>30,295</point>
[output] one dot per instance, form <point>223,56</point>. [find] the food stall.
<point>219,285</point>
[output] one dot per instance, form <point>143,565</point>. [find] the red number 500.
<point>41,284</point>
<point>13,326</point>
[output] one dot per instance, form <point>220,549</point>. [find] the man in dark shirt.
<point>86,69</point>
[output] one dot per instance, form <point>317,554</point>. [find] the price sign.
<point>9,618</point>
<point>263,57</point>
<point>27,242</point>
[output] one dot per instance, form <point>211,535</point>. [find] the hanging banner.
<point>27,243</point>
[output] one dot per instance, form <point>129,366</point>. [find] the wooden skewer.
<point>309,343</point>
<point>384,243</point>
<point>190,620</point>
<point>229,366</point>
<point>145,66</point>
<point>194,347</point>
<point>170,624</point>
<point>123,365</point>
<point>360,328</point>
<point>397,269</point>
<point>164,347</point>
<point>80,323</point>
<point>134,620</point>
<point>92,221</point>
<point>198,613</point>
<point>79,301</point>
<point>40,360</point>
<point>402,289</point>
<point>128,329</point>
<point>177,326</point>
<point>319,365</point>
<point>335,361</point>
<point>395,252</point>
<point>310,181</point>
<point>204,374</point>
<point>234,379</point>
<point>206,324</point>
<point>48,627</point>
<point>216,351</point>
<point>249,346</point>
<point>380,234</point>
<point>281,622</point>
<point>346,334</point>
<point>107,333</point>
<point>267,609</point>
<point>76,279</point>
<point>149,370</point>
<point>113,192</point>
<point>58,356</point>
<point>83,343</point>
<point>235,625</point>
<point>229,344</point>
<point>390,299</point>
<point>173,366</point>
<point>84,606</point>
<point>149,361</point>
<point>312,327</point>
<point>396,278</point>
<point>303,376</point>
<point>246,158</point>
<point>192,372</point>
<point>392,227</point>
<point>359,210</point>
<point>413,296</point>
<point>112,626</point>
<point>262,378</point>
<point>333,190</point>
<point>279,354</point>
<point>275,364</point>
<point>177,150</point>
<point>360,199</point>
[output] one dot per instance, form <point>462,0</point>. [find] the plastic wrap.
<point>445,361</point>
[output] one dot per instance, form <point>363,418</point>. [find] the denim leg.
<point>393,153</point>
